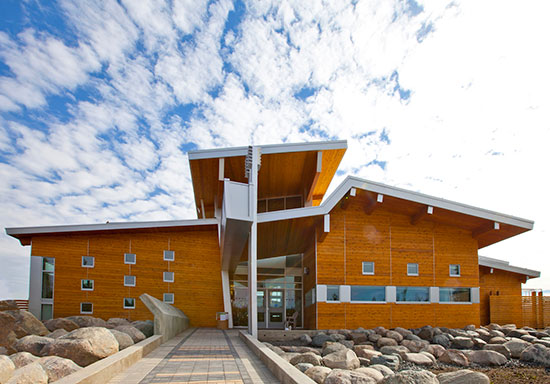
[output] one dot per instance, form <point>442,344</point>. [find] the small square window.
<point>129,281</point>
<point>169,255</point>
<point>454,270</point>
<point>168,298</point>
<point>86,285</point>
<point>129,303</point>
<point>412,269</point>
<point>368,268</point>
<point>86,308</point>
<point>333,293</point>
<point>168,277</point>
<point>88,261</point>
<point>129,258</point>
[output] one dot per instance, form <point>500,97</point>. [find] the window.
<point>168,277</point>
<point>454,270</point>
<point>168,298</point>
<point>364,293</point>
<point>413,294</point>
<point>412,269</point>
<point>48,267</point>
<point>46,311</point>
<point>129,303</point>
<point>129,281</point>
<point>169,255</point>
<point>129,258</point>
<point>88,261</point>
<point>454,295</point>
<point>86,308</point>
<point>48,264</point>
<point>86,285</point>
<point>368,268</point>
<point>333,293</point>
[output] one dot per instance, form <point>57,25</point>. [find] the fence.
<point>532,311</point>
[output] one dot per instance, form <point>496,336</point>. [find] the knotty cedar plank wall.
<point>508,286</point>
<point>197,282</point>
<point>368,239</point>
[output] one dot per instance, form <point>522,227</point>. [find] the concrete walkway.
<point>199,356</point>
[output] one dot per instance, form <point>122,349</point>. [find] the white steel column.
<point>253,162</point>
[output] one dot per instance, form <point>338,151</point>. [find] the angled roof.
<point>505,266</point>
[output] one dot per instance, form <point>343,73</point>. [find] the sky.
<point>100,101</point>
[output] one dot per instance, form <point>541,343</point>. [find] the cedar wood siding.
<point>391,241</point>
<point>197,279</point>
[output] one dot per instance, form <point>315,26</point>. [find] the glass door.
<point>276,309</point>
<point>261,309</point>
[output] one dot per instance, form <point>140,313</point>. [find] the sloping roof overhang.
<point>505,266</point>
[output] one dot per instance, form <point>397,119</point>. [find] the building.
<point>367,255</point>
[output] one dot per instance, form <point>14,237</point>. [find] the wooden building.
<point>367,255</point>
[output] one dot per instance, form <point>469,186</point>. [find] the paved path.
<point>199,356</point>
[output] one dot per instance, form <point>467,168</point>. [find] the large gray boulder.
<point>339,376</point>
<point>367,353</point>
<point>299,349</point>
<point>454,357</point>
<point>20,359</point>
<point>10,331</point>
<point>28,322</point>
<point>434,349</point>
<point>516,346</point>
<point>332,347</point>
<point>116,321</point>
<point>57,367</point>
<point>442,340</point>
<point>124,340</point>
<point>29,374</point>
<point>464,376</point>
<point>486,357</point>
<point>419,358</point>
<point>391,361</point>
<point>500,348</point>
<point>411,377</point>
<point>57,333</point>
<point>61,323</point>
<point>536,353</point>
<point>302,367</point>
<point>415,345</point>
<point>320,339</point>
<point>318,374</point>
<point>345,359</point>
<point>384,370</point>
<point>84,346</point>
<point>371,372</point>
<point>32,344</point>
<point>394,335</point>
<point>145,326</point>
<point>461,342</point>
<point>131,331</point>
<point>391,349</point>
<point>308,357</point>
<point>88,321</point>
<point>305,339</point>
<point>6,368</point>
<point>402,331</point>
<point>385,341</point>
<point>426,333</point>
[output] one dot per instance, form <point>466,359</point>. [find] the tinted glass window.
<point>413,294</point>
<point>362,293</point>
<point>333,293</point>
<point>454,295</point>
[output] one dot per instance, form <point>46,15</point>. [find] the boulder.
<point>479,343</point>
<point>497,340</point>
<point>411,377</point>
<point>289,355</point>
<point>486,357</point>
<point>20,359</point>
<point>28,322</point>
<point>332,347</point>
<point>528,338</point>
<point>3,351</point>
<point>384,370</point>
<point>517,333</point>
<point>415,346</point>
<point>461,342</point>
<point>403,332</point>
<point>536,353</point>
<point>6,368</point>
<point>6,305</point>
<point>116,321</point>
<point>394,335</point>
<point>57,333</point>
<point>546,343</point>
<point>391,349</point>
<point>347,343</point>
<point>391,361</point>
<point>58,367</point>
<point>500,348</point>
<point>372,373</point>
<point>146,327</point>
<point>320,339</point>
<point>454,357</point>
<point>298,349</point>
<point>84,346</point>
<point>496,333</point>
<point>29,374</point>
<point>303,366</point>
<point>516,346</point>
<point>308,357</point>
<point>494,326</point>
<point>32,344</point>
<point>385,341</point>
<point>337,337</point>
<point>464,376</point>
<point>9,332</point>
<point>418,359</point>
<point>426,333</point>
<point>124,340</point>
<point>61,323</point>
<point>365,352</point>
<point>344,359</point>
<point>131,331</point>
<point>380,330</point>
<point>484,334</point>
<point>374,337</point>
<point>434,349</point>
<point>359,337</point>
<point>339,376</point>
<point>305,339</point>
<point>442,340</point>
<point>318,374</point>
<point>88,321</point>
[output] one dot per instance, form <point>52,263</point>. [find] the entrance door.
<point>276,315</point>
<point>262,323</point>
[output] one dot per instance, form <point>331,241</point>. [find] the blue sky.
<point>100,102</point>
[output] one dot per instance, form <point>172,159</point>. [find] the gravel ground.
<point>509,375</point>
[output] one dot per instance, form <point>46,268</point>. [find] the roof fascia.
<point>505,266</point>
<point>268,149</point>
<point>107,226</point>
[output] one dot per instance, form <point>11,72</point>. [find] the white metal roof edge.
<point>505,266</point>
<point>355,182</point>
<point>108,226</point>
<point>267,149</point>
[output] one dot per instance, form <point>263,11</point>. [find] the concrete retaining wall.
<point>169,321</point>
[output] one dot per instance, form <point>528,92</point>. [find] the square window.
<point>333,293</point>
<point>368,268</point>
<point>88,261</point>
<point>129,303</point>
<point>86,285</point>
<point>86,308</point>
<point>168,277</point>
<point>169,255</point>
<point>129,281</point>
<point>129,258</point>
<point>168,298</point>
<point>412,269</point>
<point>454,270</point>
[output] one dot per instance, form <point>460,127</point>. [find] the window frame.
<point>130,262</point>
<point>86,289</point>
<point>337,287</point>
<point>417,269</point>
<point>128,307</point>
<point>173,255</point>
<point>87,266</point>
<point>167,280</point>
<point>363,268</point>
<point>166,301</point>
<point>451,274</point>
<point>82,312</point>
<point>127,284</point>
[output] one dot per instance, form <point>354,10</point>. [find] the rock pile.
<point>379,355</point>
